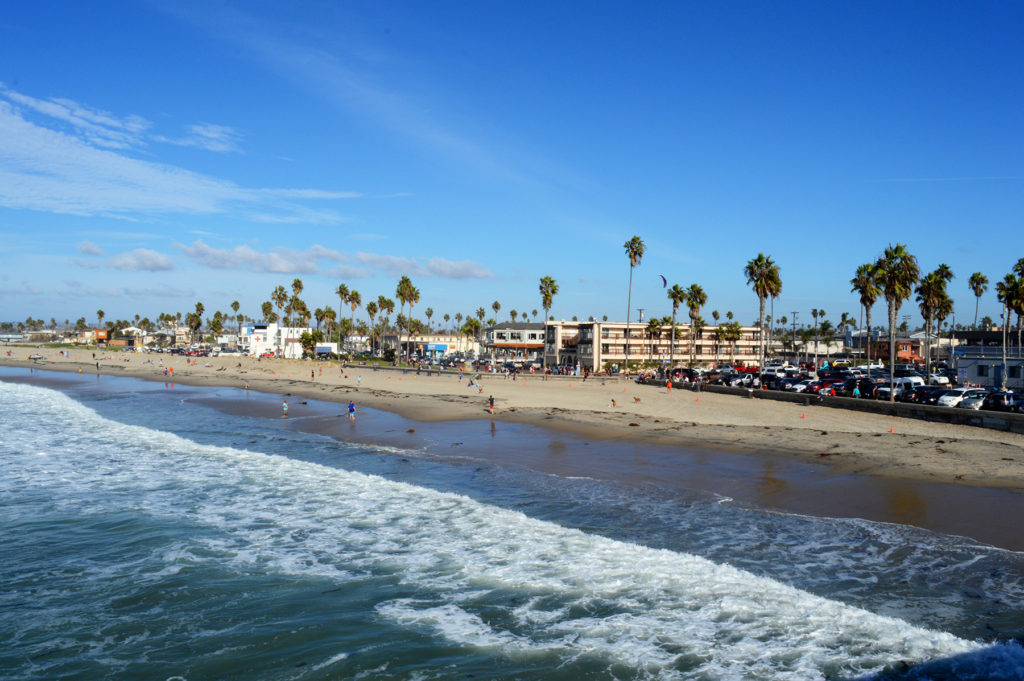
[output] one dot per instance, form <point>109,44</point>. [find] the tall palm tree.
<point>496,306</point>
<point>931,292</point>
<point>677,294</point>
<point>695,300</point>
<point>548,290</point>
<point>1006,291</point>
<point>763,276</point>
<point>513,314</point>
<point>413,297</point>
<point>978,284</point>
<point>697,325</point>
<point>447,318</point>
<point>865,283</point>
<point>428,313</point>
<point>342,293</point>
<point>1018,269</point>
<point>635,251</point>
<point>354,300</point>
<point>371,312</point>
<point>534,314</point>
<point>653,329</point>
<point>897,272</point>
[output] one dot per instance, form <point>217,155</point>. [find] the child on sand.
<point>284,408</point>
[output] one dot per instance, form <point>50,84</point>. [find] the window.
<point>533,336</point>
<point>982,370</point>
<point>605,347</point>
<point>1014,371</point>
<point>605,333</point>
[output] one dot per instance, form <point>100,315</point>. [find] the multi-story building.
<point>260,338</point>
<point>514,341</point>
<point>597,345</point>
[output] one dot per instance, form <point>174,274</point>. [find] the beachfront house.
<point>514,342</point>
<point>260,339</point>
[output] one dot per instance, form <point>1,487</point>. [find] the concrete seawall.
<point>995,420</point>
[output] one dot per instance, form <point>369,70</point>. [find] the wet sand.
<point>772,480</point>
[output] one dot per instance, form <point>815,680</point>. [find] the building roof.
<point>516,326</point>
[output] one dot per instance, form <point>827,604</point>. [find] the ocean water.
<point>147,536</point>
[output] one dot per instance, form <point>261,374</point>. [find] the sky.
<point>154,154</point>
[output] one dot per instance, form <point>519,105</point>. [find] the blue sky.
<point>157,154</point>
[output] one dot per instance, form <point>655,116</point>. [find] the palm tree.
<point>458,322</point>
<point>513,314</point>
<point>496,306</point>
<point>1018,269</point>
<point>930,294</point>
<point>763,276</point>
<point>978,284</point>
<point>354,300</point>
<point>732,334</point>
<point>696,331</point>
<point>429,313</point>
<point>371,312</point>
<point>653,328</point>
<point>695,300</point>
<point>1007,291</point>
<point>897,272</point>
<point>865,283</point>
<point>342,293</point>
<point>635,250</point>
<point>534,313</point>
<point>447,318</point>
<point>677,294</point>
<point>548,290</point>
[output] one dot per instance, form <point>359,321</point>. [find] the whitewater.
<point>159,551</point>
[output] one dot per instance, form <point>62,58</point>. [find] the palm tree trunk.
<point>629,304</point>
<point>867,330</point>
<point>977,300</point>
<point>672,346</point>
<point>761,343</point>
<point>1006,338</point>
<point>892,351</point>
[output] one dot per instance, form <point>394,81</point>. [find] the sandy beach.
<point>846,441</point>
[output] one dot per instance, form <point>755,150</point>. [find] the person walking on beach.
<point>351,411</point>
<point>284,409</point>
<point>490,403</point>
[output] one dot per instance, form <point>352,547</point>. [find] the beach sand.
<point>812,460</point>
<point>848,441</point>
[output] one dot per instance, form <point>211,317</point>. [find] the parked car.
<point>954,397</point>
<point>926,394</point>
<point>1001,400</point>
<point>800,386</point>
<point>936,378</point>
<point>973,401</point>
<point>865,387</point>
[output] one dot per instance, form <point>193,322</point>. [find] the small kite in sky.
<point>664,281</point>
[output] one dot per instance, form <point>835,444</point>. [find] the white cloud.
<point>89,248</point>
<point>209,136</point>
<point>465,269</point>
<point>159,292</point>
<point>278,260</point>
<point>98,127</point>
<point>46,169</point>
<point>288,261</point>
<point>142,259</point>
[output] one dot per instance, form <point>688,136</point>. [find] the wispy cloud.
<point>209,136</point>
<point>278,260</point>
<point>89,248</point>
<point>85,171</point>
<point>312,261</point>
<point>981,178</point>
<point>98,127</point>
<point>142,259</point>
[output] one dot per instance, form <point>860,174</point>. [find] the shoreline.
<point>772,482</point>
<point>846,441</point>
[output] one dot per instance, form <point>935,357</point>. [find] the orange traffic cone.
<point>891,429</point>
<point>803,415</point>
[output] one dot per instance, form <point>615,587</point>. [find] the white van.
<point>903,386</point>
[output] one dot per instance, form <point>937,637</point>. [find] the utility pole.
<point>795,355</point>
